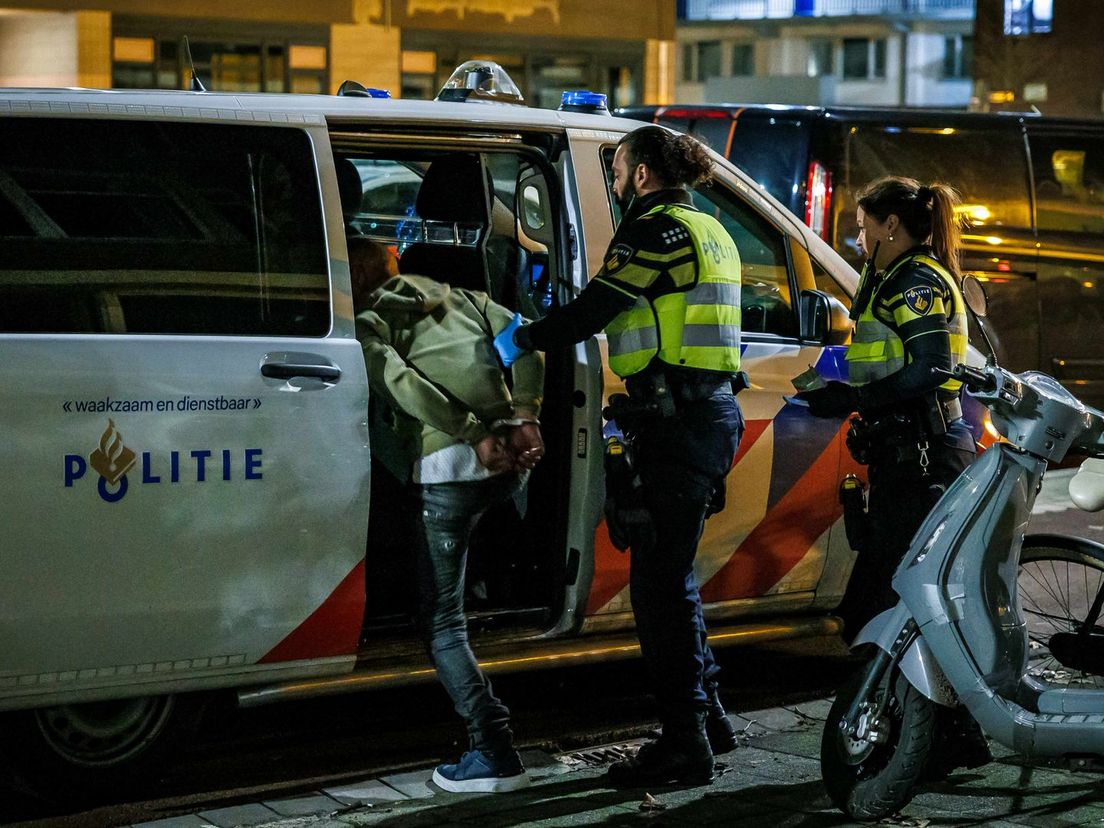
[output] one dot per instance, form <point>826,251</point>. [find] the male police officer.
<point>668,297</point>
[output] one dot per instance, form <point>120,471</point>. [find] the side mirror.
<point>973,291</point>
<point>823,319</point>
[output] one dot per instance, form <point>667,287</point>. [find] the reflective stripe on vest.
<point>876,351</point>
<point>696,328</point>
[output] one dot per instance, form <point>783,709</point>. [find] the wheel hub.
<point>99,734</point>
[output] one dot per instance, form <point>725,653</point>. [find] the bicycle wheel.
<point>1059,582</point>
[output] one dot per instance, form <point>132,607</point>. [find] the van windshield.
<point>988,168</point>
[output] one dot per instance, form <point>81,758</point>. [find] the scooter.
<point>959,634</point>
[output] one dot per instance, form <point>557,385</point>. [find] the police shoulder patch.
<point>617,257</point>
<point>919,299</point>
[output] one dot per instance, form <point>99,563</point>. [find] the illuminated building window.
<point>149,53</point>
<point>1028,17</point>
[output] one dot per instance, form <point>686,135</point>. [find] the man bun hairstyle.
<point>928,213</point>
<point>676,160</point>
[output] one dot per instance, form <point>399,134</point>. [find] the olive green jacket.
<point>429,353</point>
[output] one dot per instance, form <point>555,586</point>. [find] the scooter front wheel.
<point>873,774</point>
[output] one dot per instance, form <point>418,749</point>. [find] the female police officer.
<point>668,297</point>
<point>909,318</point>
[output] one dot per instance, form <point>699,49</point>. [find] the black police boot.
<point>680,755</point>
<point>719,729</point>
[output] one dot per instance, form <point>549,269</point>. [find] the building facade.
<point>1041,54</point>
<point>822,52</point>
<point>406,46</point>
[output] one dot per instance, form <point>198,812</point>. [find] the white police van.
<point>189,503</point>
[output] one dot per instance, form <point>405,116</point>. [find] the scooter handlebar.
<point>976,379</point>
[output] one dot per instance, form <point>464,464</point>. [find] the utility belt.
<point>659,394</point>
<point>903,434</point>
<point>650,398</point>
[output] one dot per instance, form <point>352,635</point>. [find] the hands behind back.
<point>526,445</point>
<point>493,454</point>
<point>515,448</point>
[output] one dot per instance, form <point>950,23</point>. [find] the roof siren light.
<point>352,89</point>
<point>480,80</point>
<point>583,100</point>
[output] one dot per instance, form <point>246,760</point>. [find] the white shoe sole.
<point>503,784</point>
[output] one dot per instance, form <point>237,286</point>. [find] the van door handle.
<point>286,365</point>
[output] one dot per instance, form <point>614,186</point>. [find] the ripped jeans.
<point>447,514</point>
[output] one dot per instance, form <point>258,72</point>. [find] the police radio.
<point>868,283</point>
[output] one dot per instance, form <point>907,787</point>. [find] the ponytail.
<point>946,226</point>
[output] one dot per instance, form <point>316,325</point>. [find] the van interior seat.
<point>349,187</point>
<point>763,310</point>
<point>454,190</point>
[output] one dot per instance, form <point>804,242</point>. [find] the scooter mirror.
<point>974,294</point>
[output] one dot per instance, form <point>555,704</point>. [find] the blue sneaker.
<point>479,772</point>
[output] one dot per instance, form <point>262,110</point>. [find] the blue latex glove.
<point>508,352</point>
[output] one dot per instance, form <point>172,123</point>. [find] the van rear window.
<point>772,150</point>
<point>988,168</point>
<point>160,228</point>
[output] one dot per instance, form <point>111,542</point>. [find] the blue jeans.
<point>682,460</point>
<point>446,516</point>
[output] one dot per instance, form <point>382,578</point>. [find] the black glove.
<point>836,399</point>
<point>629,527</point>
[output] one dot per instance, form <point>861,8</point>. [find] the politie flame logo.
<point>112,459</point>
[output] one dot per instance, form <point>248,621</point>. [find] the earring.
<point>891,237</point>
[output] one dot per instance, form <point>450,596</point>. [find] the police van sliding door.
<point>186,465</point>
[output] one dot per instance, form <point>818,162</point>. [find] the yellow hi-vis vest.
<point>876,351</point>
<point>694,328</point>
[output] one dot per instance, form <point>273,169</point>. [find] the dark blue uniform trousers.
<point>681,460</point>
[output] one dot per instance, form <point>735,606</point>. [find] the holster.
<point>630,413</point>
<point>628,520</point>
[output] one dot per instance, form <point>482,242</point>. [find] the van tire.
<point>91,750</point>
<point>870,782</point>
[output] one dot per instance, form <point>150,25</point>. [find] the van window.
<point>987,167</point>
<point>454,217</point>
<point>825,282</point>
<point>160,228</point>
<point>765,296</point>
<point>1069,182</point>
<point>765,299</point>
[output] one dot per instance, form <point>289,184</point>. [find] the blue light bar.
<point>378,93</point>
<point>583,100</point>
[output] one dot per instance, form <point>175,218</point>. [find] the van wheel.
<point>871,780</point>
<point>96,744</point>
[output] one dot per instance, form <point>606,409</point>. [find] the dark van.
<point>1032,188</point>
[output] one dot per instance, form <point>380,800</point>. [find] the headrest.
<point>455,188</point>
<point>349,187</point>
